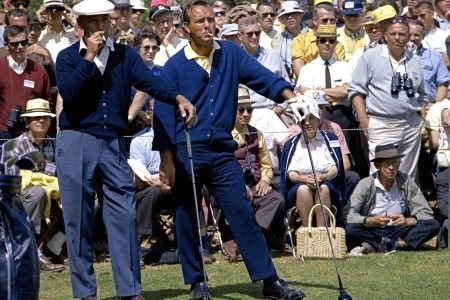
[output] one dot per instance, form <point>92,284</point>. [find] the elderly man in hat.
<point>94,78</point>
<point>37,117</point>
<point>256,163</point>
<point>387,210</point>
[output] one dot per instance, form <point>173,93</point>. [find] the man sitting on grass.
<point>387,210</point>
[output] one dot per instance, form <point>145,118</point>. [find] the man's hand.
<point>400,220</point>
<point>187,109</point>
<point>94,45</point>
<point>249,193</point>
<point>364,124</point>
<point>167,168</point>
<point>263,188</point>
<point>378,221</point>
<point>156,182</point>
<point>168,38</point>
<point>37,49</point>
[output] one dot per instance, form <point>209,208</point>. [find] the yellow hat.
<point>244,96</point>
<point>317,2</point>
<point>383,13</point>
<point>326,30</point>
<point>37,108</point>
<point>369,19</point>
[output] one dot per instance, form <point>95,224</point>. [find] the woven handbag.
<point>312,242</point>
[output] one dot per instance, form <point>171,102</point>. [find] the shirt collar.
<point>385,53</point>
<point>331,61</point>
<point>379,185</point>
<point>357,35</point>
<point>191,54</point>
<point>109,43</point>
<point>15,66</point>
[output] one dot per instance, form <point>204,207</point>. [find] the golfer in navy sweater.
<point>94,78</point>
<point>208,73</point>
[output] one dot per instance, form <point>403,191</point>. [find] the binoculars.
<point>402,82</point>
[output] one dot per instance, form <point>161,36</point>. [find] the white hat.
<point>138,4</point>
<point>93,7</point>
<point>290,7</point>
<point>37,108</point>
<point>318,96</point>
<point>229,29</point>
<point>53,2</point>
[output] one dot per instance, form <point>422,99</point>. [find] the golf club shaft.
<point>316,181</point>
<point>196,207</point>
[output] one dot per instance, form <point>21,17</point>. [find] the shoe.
<point>365,248</point>
<point>46,266</point>
<point>89,298</point>
<point>280,290</point>
<point>200,291</point>
<point>387,245</point>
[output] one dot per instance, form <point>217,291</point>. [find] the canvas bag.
<point>312,242</point>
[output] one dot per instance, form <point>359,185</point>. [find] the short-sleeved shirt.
<point>320,154</point>
<point>434,122</point>
<point>56,41</point>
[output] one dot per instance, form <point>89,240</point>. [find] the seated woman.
<point>297,176</point>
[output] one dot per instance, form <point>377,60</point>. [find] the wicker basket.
<point>312,242</point>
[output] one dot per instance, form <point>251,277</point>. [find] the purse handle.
<point>332,219</point>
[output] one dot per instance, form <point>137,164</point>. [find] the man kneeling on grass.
<point>387,210</point>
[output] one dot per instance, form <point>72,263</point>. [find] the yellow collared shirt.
<point>264,156</point>
<point>203,61</point>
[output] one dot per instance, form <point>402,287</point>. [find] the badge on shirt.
<point>334,144</point>
<point>28,83</point>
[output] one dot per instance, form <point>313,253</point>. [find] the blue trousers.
<point>222,174</point>
<point>86,165</point>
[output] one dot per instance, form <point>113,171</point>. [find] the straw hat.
<point>317,2</point>
<point>326,30</point>
<point>369,19</point>
<point>244,96</point>
<point>37,108</point>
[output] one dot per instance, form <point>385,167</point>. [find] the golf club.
<point>342,294</point>
<point>194,189</point>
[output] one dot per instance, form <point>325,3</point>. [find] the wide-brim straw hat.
<point>244,96</point>
<point>37,108</point>
<point>326,30</point>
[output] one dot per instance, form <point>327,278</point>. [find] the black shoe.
<point>138,297</point>
<point>89,298</point>
<point>280,290</point>
<point>200,291</point>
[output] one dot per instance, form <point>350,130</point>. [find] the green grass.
<point>403,275</point>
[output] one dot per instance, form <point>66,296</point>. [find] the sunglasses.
<point>398,20</point>
<point>324,40</point>
<point>54,8</point>
<point>16,44</point>
<point>251,33</point>
<point>249,110</point>
<point>23,3</point>
<point>328,21</point>
<point>135,11</point>
<point>155,48</point>
<point>221,13</point>
<point>272,15</point>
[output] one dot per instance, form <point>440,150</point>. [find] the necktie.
<point>327,75</point>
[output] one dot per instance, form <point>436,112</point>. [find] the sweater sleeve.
<point>418,204</point>
<point>352,210</point>
<point>260,79</point>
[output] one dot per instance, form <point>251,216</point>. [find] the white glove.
<point>300,107</point>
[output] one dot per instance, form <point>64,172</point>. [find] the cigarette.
<point>210,34</point>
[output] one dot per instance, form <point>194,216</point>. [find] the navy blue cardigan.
<point>335,150</point>
<point>98,104</point>
<point>214,96</point>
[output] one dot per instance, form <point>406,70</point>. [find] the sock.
<point>56,242</point>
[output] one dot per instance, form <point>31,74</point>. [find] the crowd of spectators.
<point>376,75</point>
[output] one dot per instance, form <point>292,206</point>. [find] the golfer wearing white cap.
<point>94,78</point>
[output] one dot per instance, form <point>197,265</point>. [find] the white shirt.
<point>141,149</point>
<point>312,75</point>
<point>434,122</point>
<point>55,42</point>
<point>102,59</point>
<point>435,39</point>
<point>275,132</point>
<point>265,40</point>
<point>320,155</point>
<point>165,53</point>
<point>387,202</point>
<point>18,68</point>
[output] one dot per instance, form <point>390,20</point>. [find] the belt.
<point>398,116</point>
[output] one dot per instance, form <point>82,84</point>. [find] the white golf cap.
<point>138,4</point>
<point>93,7</point>
<point>229,29</point>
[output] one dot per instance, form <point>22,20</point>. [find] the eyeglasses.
<point>324,40</point>
<point>154,48</point>
<point>290,15</point>
<point>221,13</point>
<point>328,21</point>
<point>54,8</point>
<point>136,11</point>
<point>272,15</point>
<point>21,3</point>
<point>249,110</point>
<point>251,33</point>
<point>16,44</point>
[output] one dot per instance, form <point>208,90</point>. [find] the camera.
<point>248,171</point>
<point>402,82</point>
<point>55,8</point>
<point>15,123</point>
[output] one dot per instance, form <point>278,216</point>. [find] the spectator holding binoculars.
<point>388,90</point>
